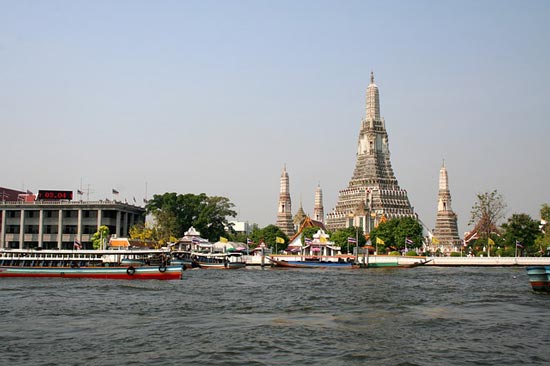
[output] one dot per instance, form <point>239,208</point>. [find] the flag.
<point>79,192</point>
<point>77,245</point>
<point>323,239</point>
<point>409,241</point>
<point>307,241</point>
<point>518,244</point>
<point>115,191</point>
<point>379,241</point>
<point>223,240</point>
<point>249,241</point>
<point>195,240</point>
<point>352,240</point>
<point>490,241</point>
<point>435,240</point>
<point>279,240</point>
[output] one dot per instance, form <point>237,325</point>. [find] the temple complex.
<point>373,192</point>
<point>284,214</point>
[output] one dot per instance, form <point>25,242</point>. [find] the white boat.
<point>108,264</point>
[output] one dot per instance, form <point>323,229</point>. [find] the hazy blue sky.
<point>216,96</point>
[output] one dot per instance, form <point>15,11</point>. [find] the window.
<point>50,229</point>
<point>70,229</point>
<point>70,213</point>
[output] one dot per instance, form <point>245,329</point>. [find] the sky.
<point>149,97</point>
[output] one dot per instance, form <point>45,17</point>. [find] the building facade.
<point>445,235</point>
<point>373,192</point>
<point>58,224</point>
<point>284,213</point>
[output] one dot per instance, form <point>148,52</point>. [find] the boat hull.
<point>310,264</point>
<point>230,265</point>
<point>539,277</point>
<point>114,273</point>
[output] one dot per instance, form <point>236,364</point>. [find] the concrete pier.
<point>489,261</point>
<point>433,261</point>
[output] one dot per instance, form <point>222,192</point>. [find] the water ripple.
<point>423,316</point>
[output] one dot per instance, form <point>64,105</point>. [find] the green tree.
<point>175,213</point>
<point>212,217</point>
<point>407,227</point>
<point>522,228</point>
<point>545,215</point>
<point>308,232</point>
<point>340,238</point>
<point>100,237</point>
<point>268,235</point>
<point>384,231</point>
<point>394,232</point>
<point>543,241</point>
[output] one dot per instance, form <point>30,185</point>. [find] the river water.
<point>419,316</point>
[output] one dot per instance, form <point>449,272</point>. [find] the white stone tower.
<point>373,192</point>
<point>284,214</point>
<point>446,228</point>
<point>318,209</point>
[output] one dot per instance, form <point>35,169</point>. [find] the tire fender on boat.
<point>162,268</point>
<point>130,270</point>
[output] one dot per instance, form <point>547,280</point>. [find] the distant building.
<point>241,227</point>
<point>373,192</point>
<point>284,213</point>
<point>51,224</point>
<point>446,227</point>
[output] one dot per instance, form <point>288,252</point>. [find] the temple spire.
<point>373,193</point>
<point>318,209</point>
<point>284,213</point>
<point>373,100</point>
<point>446,228</point>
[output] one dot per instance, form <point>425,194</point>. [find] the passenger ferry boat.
<point>126,264</point>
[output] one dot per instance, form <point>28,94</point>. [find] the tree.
<point>394,232</point>
<point>340,238</point>
<point>522,228</point>
<point>542,243</point>
<point>176,213</point>
<point>487,211</point>
<point>408,228</point>
<point>212,217</point>
<point>268,235</point>
<point>100,237</point>
<point>384,231</point>
<point>545,215</point>
<point>143,233</point>
<point>308,232</point>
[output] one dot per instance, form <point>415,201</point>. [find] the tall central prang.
<point>373,192</point>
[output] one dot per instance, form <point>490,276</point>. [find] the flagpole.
<point>357,244</point>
